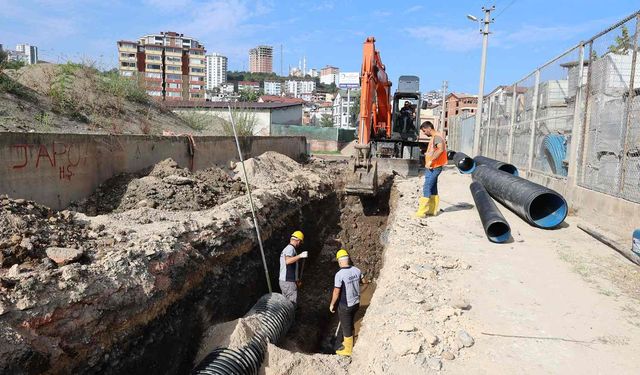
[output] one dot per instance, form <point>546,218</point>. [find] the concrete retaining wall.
<point>55,169</point>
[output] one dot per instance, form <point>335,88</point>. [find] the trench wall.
<point>56,169</point>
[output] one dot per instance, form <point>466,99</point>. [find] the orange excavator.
<point>386,135</point>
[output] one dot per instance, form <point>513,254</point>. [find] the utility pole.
<point>483,63</point>
<point>445,85</point>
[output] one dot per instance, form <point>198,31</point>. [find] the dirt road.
<point>552,302</point>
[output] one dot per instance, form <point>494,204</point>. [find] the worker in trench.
<point>289,278</point>
<point>435,158</point>
<point>346,292</point>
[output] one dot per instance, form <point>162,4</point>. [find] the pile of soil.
<point>164,186</point>
<point>27,229</point>
<point>269,169</point>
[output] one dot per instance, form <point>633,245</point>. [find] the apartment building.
<point>171,66</point>
<point>329,75</point>
<point>248,86</point>
<point>27,53</point>
<point>216,70</point>
<point>459,104</point>
<point>261,59</point>
<point>272,87</point>
<point>300,89</point>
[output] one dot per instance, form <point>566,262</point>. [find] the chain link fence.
<point>592,90</point>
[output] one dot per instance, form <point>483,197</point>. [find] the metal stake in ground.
<point>253,210</point>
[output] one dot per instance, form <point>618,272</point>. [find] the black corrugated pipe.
<point>495,226</point>
<point>450,154</point>
<point>275,314</point>
<point>493,163</point>
<point>534,203</point>
<point>464,163</point>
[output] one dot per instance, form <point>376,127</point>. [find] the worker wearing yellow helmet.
<point>289,278</point>
<point>346,292</point>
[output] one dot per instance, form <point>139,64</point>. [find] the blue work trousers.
<point>431,182</point>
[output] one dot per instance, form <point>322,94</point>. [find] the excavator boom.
<point>375,120</point>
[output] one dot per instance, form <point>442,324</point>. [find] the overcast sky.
<point>431,39</point>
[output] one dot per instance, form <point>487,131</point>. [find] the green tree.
<point>248,95</point>
<point>326,121</point>
<point>622,44</point>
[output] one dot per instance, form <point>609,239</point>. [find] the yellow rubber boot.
<point>347,347</point>
<point>433,205</point>
<point>423,207</point>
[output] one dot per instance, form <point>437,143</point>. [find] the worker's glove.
<point>304,254</point>
<point>299,284</point>
<point>332,309</point>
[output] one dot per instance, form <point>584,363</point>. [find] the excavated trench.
<point>169,344</point>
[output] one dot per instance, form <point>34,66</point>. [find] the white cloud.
<point>324,5</point>
<point>414,8</point>
<point>446,38</point>
<point>381,13</point>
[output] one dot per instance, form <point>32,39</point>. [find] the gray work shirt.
<point>348,280</point>
<point>288,272</point>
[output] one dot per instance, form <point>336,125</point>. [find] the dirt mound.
<point>28,229</point>
<point>80,99</point>
<point>348,149</point>
<point>164,186</point>
<point>270,168</point>
<point>282,362</point>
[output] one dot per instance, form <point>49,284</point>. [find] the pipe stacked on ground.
<point>495,225</point>
<point>464,163</point>
<point>497,164</point>
<point>536,204</point>
<point>275,314</point>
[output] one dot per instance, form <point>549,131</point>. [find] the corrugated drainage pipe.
<point>493,163</point>
<point>275,314</point>
<point>534,203</point>
<point>495,225</point>
<point>464,163</point>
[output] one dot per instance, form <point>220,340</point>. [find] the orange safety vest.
<point>440,160</point>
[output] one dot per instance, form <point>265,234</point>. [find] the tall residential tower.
<point>171,65</point>
<point>261,59</point>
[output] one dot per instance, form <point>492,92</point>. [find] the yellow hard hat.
<point>341,253</point>
<point>299,235</point>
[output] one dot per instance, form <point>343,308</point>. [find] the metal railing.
<point>575,117</point>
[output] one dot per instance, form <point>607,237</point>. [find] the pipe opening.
<point>498,232</point>
<point>466,165</point>
<point>511,169</point>
<point>548,210</point>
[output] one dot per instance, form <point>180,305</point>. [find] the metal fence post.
<point>533,123</point>
<point>584,144</point>
<point>512,122</point>
<point>487,129</point>
<point>576,131</point>
<point>625,145</point>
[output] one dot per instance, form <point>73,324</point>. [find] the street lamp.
<point>483,64</point>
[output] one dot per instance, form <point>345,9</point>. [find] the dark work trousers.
<point>347,316</point>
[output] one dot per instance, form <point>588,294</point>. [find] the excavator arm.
<point>375,120</point>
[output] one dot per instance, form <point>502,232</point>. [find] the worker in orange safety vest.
<point>435,158</point>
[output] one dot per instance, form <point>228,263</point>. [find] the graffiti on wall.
<point>63,157</point>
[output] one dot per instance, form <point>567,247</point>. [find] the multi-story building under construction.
<point>261,59</point>
<point>170,65</point>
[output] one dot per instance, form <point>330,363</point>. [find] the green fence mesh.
<point>314,132</point>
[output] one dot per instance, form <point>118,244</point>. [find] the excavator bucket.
<point>362,180</point>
